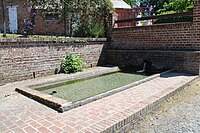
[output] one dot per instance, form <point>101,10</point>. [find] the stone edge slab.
<point>39,40</point>
<point>75,76</point>
<point>49,100</point>
<point>111,92</point>
<point>63,105</point>
<point>54,102</point>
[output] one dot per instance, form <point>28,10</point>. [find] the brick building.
<point>123,11</point>
<point>17,13</point>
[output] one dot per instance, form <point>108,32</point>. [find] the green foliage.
<point>72,64</point>
<point>89,29</point>
<point>165,6</point>
<point>96,30</point>
<point>157,4</point>
<point>93,12</point>
<point>132,2</point>
<point>82,30</point>
<point>176,6</point>
<point>79,13</point>
<point>47,6</point>
<point>173,20</point>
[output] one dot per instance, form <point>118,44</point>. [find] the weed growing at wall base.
<point>72,64</point>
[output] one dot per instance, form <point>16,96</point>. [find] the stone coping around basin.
<point>155,50</point>
<point>74,76</point>
<point>39,40</point>
<point>62,105</point>
<point>49,100</point>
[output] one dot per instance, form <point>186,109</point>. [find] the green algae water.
<point>77,90</point>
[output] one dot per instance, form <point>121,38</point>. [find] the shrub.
<point>89,29</point>
<point>82,30</point>
<point>72,64</point>
<point>96,30</point>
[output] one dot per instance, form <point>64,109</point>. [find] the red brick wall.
<point>175,46</point>
<point>163,36</point>
<point>121,14</point>
<point>48,27</point>
<point>19,58</point>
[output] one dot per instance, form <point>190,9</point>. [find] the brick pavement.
<point>178,114</point>
<point>21,114</point>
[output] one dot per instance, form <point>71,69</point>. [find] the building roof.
<point>120,4</point>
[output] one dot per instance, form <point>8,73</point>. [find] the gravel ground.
<point>179,114</point>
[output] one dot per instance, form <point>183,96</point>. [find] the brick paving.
<point>21,114</point>
<point>178,114</point>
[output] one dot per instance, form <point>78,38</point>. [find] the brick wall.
<point>121,13</point>
<point>48,27</point>
<point>19,58</point>
<point>174,45</point>
<point>162,36</point>
<point>182,61</point>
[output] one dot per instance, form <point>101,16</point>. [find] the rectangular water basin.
<point>65,95</point>
<point>81,89</point>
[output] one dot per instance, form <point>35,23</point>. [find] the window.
<point>51,17</point>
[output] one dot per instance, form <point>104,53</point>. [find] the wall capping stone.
<point>167,25</point>
<point>49,40</point>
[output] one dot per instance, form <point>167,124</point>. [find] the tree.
<point>176,6</point>
<point>92,12</point>
<point>157,4</point>
<point>86,11</point>
<point>133,2</point>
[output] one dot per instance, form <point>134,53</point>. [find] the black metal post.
<point>3,18</point>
